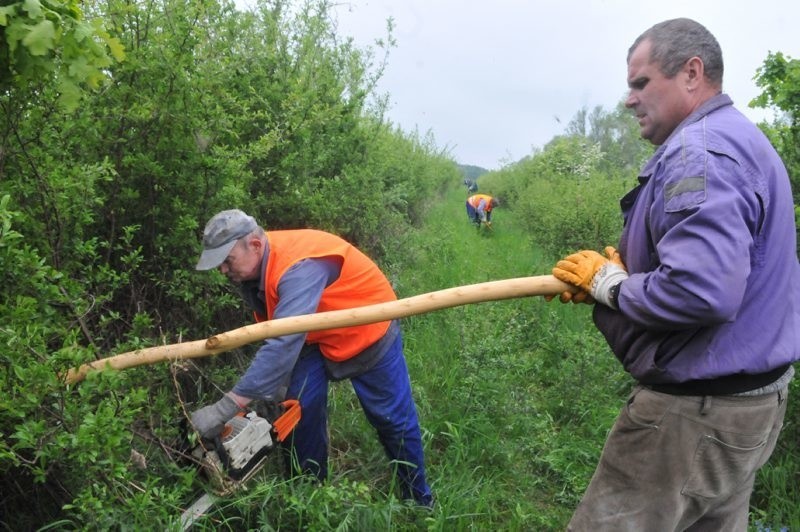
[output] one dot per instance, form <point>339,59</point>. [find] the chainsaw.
<point>229,460</point>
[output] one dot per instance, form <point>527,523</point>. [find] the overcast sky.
<point>492,79</point>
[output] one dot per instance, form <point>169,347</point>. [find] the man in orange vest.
<point>296,272</point>
<point>479,208</point>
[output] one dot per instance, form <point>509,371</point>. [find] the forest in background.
<point>126,125</point>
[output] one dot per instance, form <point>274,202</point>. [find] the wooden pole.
<point>542,285</point>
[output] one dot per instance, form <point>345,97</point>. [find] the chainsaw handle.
<point>287,421</point>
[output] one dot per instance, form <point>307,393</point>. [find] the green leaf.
<point>70,95</point>
<point>83,31</point>
<point>116,48</point>
<point>6,12</point>
<point>41,37</point>
<point>33,7</point>
<point>80,68</point>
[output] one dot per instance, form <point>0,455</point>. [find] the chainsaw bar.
<point>197,510</point>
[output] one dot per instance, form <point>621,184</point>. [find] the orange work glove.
<point>593,273</point>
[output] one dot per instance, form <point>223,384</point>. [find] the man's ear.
<point>694,70</point>
<point>255,243</point>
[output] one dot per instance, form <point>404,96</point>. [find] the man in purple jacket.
<point>701,303</point>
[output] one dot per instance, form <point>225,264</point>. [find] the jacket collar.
<point>708,107</point>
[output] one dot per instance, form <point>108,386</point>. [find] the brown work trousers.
<point>681,463</point>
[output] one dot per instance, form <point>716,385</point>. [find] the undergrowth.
<point>515,399</point>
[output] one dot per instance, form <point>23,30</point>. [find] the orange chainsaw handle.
<point>287,421</point>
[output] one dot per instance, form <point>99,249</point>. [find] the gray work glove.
<point>209,420</point>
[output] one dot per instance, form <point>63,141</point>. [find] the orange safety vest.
<point>476,200</point>
<point>360,283</point>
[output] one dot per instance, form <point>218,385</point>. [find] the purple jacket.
<point>709,240</point>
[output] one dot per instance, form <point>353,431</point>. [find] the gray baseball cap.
<point>221,234</point>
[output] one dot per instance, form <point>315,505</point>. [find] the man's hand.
<point>576,297</point>
<point>209,420</point>
<point>592,273</point>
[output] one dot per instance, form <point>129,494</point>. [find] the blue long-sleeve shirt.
<point>481,209</point>
<point>710,244</point>
<point>300,290</point>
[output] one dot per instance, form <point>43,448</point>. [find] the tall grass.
<point>515,399</point>
<point>508,398</point>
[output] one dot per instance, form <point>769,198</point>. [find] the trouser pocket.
<point>722,462</point>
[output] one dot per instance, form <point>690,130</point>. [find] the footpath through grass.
<point>507,389</point>
<point>517,396</point>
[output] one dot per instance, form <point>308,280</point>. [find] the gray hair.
<point>676,41</point>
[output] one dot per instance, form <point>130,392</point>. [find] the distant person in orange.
<point>479,209</point>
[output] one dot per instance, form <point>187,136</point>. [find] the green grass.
<point>501,384</point>
<point>515,399</point>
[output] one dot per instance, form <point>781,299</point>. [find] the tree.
<point>101,208</point>
<point>40,40</point>
<point>617,135</point>
<point>779,79</point>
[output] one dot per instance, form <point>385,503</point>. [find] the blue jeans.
<point>472,214</point>
<point>474,217</point>
<point>385,396</point>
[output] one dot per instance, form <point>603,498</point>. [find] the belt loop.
<point>706,406</point>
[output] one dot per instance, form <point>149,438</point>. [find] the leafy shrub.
<point>563,198</point>
<point>100,220</point>
<point>566,215</point>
